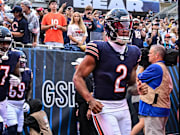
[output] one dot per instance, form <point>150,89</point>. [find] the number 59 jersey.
<point>111,73</point>
<point>7,67</point>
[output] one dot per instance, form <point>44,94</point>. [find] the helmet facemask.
<point>4,47</point>
<point>5,42</point>
<point>23,62</point>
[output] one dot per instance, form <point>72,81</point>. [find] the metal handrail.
<point>17,44</point>
<point>171,10</point>
<point>165,10</point>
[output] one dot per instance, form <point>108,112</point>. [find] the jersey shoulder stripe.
<point>92,49</point>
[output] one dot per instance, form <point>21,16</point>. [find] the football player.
<point>17,96</point>
<point>9,70</point>
<point>114,65</point>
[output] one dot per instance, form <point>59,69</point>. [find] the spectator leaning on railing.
<point>77,32</point>
<point>54,24</point>
<point>33,22</point>
<point>19,26</point>
<point>40,13</point>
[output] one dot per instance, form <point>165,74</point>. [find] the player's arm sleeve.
<point>92,49</point>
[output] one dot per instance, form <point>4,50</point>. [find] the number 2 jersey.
<point>7,67</point>
<point>111,74</point>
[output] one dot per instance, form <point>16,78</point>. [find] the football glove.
<point>26,107</point>
<point>14,80</point>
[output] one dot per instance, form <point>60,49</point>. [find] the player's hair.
<point>80,23</point>
<point>160,50</point>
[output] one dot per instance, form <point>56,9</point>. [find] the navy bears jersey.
<point>7,67</point>
<point>137,39</point>
<point>111,74</point>
<point>18,93</point>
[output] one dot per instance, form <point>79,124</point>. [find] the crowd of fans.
<point>68,31</point>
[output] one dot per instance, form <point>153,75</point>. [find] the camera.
<point>174,22</point>
<point>99,12</point>
<point>149,35</point>
<point>157,24</point>
<point>89,13</point>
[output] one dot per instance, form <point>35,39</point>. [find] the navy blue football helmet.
<point>118,25</point>
<point>5,40</point>
<point>23,61</point>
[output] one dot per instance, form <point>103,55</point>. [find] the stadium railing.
<point>29,45</point>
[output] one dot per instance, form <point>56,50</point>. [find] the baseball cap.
<point>171,18</point>
<point>27,3</point>
<point>167,35</point>
<point>16,9</point>
<point>52,1</point>
<point>136,20</point>
<point>40,9</point>
<point>77,61</point>
<point>69,8</point>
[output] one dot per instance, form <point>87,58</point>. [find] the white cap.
<point>27,3</point>
<point>77,62</point>
<point>137,20</point>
